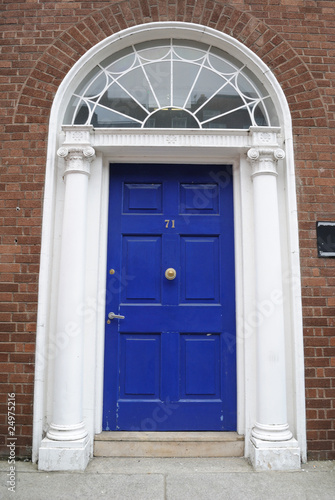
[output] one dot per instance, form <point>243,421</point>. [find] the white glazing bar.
<point>94,80</point>
<point>116,82</point>
<point>224,114</point>
<point>171,72</point>
<point>213,95</point>
<point>118,113</point>
<point>149,83</point>
<point>77,108</point>
<point>195,80</point>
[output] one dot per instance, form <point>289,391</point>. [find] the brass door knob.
<point>170,273</point>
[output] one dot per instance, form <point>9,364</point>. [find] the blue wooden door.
<point>170,364</point>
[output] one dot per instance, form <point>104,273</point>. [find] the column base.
<point>275,455</point>
<point>64,455</point>
<point>67,432</point>
<point>271,432</point>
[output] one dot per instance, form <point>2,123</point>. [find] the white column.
<point>273,445</point>
<point>66,445</point>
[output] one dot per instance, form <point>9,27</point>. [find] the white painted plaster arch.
<point>213,147</point>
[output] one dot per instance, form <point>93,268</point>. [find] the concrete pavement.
<point>170,479</point>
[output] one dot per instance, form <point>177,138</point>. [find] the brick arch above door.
<point>297,81</point>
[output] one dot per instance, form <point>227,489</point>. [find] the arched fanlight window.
<point>171,84</point>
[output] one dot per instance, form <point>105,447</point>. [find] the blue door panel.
<point>142,198</point>
<point>200,366</point>
<point>199,199</point>
<point>171,363</point>
<point>140,366</point>
<point>200,256</point>
<point>141,260</point>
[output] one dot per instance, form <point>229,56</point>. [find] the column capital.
<point>264,160</point>
<point>77,159</point>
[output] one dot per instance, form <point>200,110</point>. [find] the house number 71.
<point>167,223</point>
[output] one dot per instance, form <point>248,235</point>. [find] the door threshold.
<point>168,444</point>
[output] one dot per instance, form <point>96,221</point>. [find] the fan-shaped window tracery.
<point>171,84</point>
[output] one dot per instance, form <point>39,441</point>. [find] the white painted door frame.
<point>262,161</point>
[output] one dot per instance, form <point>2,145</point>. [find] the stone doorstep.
<point>168,444</point>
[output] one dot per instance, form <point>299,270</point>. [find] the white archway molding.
<point>163,146</point>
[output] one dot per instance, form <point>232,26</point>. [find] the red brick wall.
<point>40,42</point>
